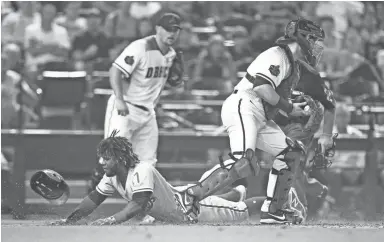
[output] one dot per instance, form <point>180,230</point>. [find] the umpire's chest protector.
<point>286,86</point>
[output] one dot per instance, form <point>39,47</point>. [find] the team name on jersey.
<point>157,72</point>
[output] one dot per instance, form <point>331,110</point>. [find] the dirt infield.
<point>38,231</point>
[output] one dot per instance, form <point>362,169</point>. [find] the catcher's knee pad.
<point>226,175</point>
<point>292,156</point>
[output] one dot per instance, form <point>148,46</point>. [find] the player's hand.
<point>325,142</point>
<point>122,107</point>
<point>61,222</point>
<point>104,221</point>
<point>298,110</point>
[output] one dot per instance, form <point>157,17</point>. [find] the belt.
<point>139,106</point>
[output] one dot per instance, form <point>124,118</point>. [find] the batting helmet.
<point>307,34</point>
<point>51,186</point>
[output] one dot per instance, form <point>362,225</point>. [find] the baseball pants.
<point>139,126</point>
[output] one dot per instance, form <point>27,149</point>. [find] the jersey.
<point>313,85</point>
<point>146,71</point>
<point>277,66</point>
<point>145,178</point>
<point>272,65</point>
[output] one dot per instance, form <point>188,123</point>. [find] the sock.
<point>270,191</point>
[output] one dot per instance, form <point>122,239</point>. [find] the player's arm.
<point>265,75</point>
<point>329,103</point>
<point>138,204</point>
<point>87,206</point>
<point>124,64</point>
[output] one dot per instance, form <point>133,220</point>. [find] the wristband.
<point>284,105</point>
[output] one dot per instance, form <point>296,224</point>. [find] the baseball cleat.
<point>243,192</point>
<point>278,217</point>
<point>188,206</point>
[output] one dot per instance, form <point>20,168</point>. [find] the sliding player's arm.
<point>103,190</point>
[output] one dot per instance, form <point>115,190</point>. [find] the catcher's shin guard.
<point>292,156</point>
<point>226,175</point>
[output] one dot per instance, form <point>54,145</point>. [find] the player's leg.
<point>241,124</point>
<point>288,154</point>
<point>112,121</point>
<point>236,194</point>
<point>145,141</point>
<point>214,209</point>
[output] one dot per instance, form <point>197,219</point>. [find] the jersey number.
<point>136,179</point>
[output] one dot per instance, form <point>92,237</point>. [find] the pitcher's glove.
<point>175,76</point>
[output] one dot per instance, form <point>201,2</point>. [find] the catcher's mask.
<point>51,186</point>
<point>309,36</point>
<point>323,161</point>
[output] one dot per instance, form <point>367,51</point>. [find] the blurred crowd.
<point>219,40</point>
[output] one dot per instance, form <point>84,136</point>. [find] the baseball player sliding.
<point>248,114</point>
<point>137,77</point>
<point>146,191</point>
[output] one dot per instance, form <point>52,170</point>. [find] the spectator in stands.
<point>342,121</point>
<point>333,39</point>
<point>92,45</point>
<point>241,51</point>
<point>189,44</point>
<point>263,36</point>
<point>145,27</point>
<point>10,89</point>
<point>380,62</point>
<point>121,28</point>
<point>46,42</point>
<point>144,10</point>
<point>353,42</point>
<point>74,24</point>
<point>106,7</point>
<point>14,24</point>
<point>215,68</point>
<point>340,11</point>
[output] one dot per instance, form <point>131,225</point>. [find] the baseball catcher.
<point>248,115</point>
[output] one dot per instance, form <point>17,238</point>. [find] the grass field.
<point>36,230</point>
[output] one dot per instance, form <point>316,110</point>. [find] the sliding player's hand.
<point>61,222</point>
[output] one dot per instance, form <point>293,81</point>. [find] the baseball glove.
<point>176,71</point>
<point>316,110</point>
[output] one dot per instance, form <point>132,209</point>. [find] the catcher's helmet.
<point>307,34</point>
<point>51,186</point>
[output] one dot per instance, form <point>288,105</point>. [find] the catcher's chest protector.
<point>286,86</point>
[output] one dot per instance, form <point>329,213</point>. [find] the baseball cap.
<point>169,21</point>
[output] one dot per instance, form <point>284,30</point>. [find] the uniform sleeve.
<point>142,179</point>
<point>105,186</point>
<point>130,58</point>
<point>268,65</point>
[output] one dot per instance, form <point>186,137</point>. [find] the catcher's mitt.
<point>176,71</point>
<point>316,110</point>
